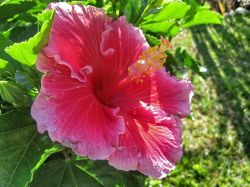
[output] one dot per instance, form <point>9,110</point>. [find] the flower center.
<point>150,61</point>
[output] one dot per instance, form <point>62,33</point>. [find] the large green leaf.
<point>64,173</point>
<point>22,149</point>
<point>165,20</point>
<point>203,16</point>
<point>26,52</point>
<point>176,15</point>
<point>165,28</point>
<point>170,11</point>
<point>110,176</point>
<point>83,173</point>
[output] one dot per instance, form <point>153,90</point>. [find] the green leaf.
<point>22,32</point>
<point>63,173</point>
<point>26,52</point>
<point>22,149</point>
<point>187,61</point>
<point>110,176</point>
<point>9,8</point>
<point>83,173</point>
<point>175,15</point>
<point>171,63</point>
<point>134,9</point>
<point>45,19</point>
<point>166,28</point>
<point>170,11</point>
<point>155,3</point>
<point>152,40</point>
<point>193,3</point>
<point>165,21</point>
<point>4,42</point>
<point>13,93</point>
<point>204,16</point>
<point>5,67</point>
<point>5,59</point>
<point>3,64</point>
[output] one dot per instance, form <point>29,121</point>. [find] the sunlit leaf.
<point>165,28</point>
<point>173,16</point>
<point>152,40</point>
<point>204,16</point>
<point>170,11</point>
<point>26,52</point>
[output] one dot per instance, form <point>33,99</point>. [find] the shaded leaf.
<point>21,148</point>
<point>83,173</point>
<point>13,93</point>
<point>110,176</point>
<point>22,33</point>
<point>9,8</point>
<point>5,60</point>
<point>187,61</point>
<point>63,173</point>
<point>4,42</point>
<point>5,67</point>
<point>134,8</point>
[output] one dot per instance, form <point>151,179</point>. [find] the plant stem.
<point>66,155</point>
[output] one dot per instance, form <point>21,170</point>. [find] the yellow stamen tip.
<point>150,60</point>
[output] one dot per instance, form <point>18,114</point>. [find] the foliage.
<point>32,159</point>
<point>26,149</point>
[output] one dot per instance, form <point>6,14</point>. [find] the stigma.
<point>150,61</point>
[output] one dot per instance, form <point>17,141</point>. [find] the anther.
<point>150,61</point>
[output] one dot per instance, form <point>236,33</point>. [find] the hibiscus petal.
<point>76,36</point>
<point>151,143</point>
<point>160,89</point>
<point>70,112</point>
<point>121,46</point>
<point>174,96</point>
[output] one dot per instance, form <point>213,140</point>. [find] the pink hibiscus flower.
<point>106,95</point>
